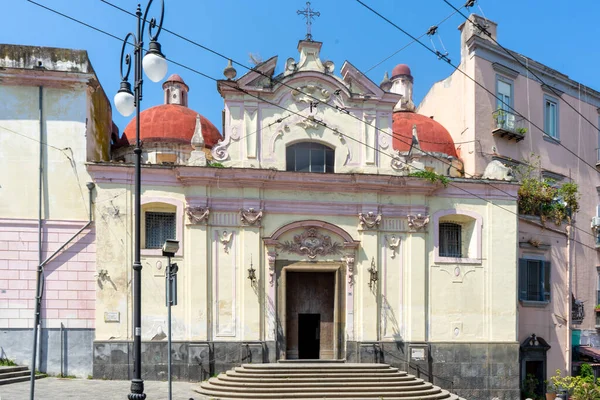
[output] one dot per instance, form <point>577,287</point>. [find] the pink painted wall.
<point>70,285</point>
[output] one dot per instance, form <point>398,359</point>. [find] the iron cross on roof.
<point>309,14</point>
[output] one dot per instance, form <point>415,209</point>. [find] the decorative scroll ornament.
<point>225,239</point>
<point>251,216</point>
<point>198,215</point>
<point>312,244</point>
<point>309,123</point>
<point>417,222</point>
<point>393,242</point>
<point>369,220</point>
<point>311,93</point>
<point>271,257</point>
<point>350,268</point>
<point>399,163</point>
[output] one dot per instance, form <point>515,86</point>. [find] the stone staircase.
<point>341,381</point>
<point>16,374</point>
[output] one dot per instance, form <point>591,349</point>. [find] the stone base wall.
<point>16,344</point>
<point>471,370</point>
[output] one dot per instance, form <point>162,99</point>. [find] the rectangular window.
<point>450,240</point>
<point>598,291</point>
<point>551,116</point>
<point>534,280</point>
<point>598,149</point>
<point>504,93</point>
<point>160,226</point>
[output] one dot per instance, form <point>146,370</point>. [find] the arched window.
<point>309,157</point>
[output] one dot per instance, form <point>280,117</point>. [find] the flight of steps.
<point>341,381</point>
<point>16,374</point>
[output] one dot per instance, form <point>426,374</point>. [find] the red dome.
<point>433,137</point>
<point>401,69</point>
<point>171,123</point>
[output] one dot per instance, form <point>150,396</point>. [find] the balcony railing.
<point>598,157</point>
<point>509,125</point>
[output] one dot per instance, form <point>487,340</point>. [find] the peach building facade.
<point>517,120</point>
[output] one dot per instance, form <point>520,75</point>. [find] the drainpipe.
<point>569,302</point>
<point>40,287</point>
<point>39,270</point>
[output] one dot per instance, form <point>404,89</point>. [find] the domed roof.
<point>401,69</point>
<point>433,137</point>
<point>171,123</point>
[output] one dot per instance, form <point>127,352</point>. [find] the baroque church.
<point>327,221</point>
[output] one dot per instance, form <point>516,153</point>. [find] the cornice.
<point>184,176</point>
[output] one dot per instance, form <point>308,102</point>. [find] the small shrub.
<point>5,362</point>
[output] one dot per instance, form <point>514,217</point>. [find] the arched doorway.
<point>312,295</point>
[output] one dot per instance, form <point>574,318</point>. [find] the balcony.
<point>508,125</point>
<point>598,157</point>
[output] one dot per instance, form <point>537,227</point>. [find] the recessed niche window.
<point>457,237</point>
<point>162,219</point>
<point>534,280</point>
<point>309,157</point>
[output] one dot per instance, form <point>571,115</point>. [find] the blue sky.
<point>562,37</point>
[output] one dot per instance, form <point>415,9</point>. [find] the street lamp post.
<point>169,249</point>
<point>155,67</point>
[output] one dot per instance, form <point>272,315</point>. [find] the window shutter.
<point>522,279</point>
<point>547,281</point>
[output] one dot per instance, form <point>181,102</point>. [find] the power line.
<point>336,131</point>
<point>410,43</point>
<point>510,53</point>
<point>442,57</point>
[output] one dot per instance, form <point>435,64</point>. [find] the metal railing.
<point>508,122</point>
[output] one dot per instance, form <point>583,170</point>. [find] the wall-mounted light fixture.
<point>373,274</point>
<point>251,272</point>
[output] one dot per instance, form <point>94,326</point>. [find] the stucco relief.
<point>312,244</point>
<point>369,220</point>
<point>393,243</point>
<point>456,273</point>
<point>198,215</point>
<point>349,259</point>
<point>417,222</point>
<point>271,257</point>
<point>251,217</point>
<point>225,239</point>
<point>311,93</point>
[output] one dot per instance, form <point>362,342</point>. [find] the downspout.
<point>36,317</point>
<point>569,302</point>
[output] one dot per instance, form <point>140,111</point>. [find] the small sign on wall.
<point>417,353</point>
<point>112,316</point>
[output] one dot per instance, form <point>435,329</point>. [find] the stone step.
<point>319,381</point>
<point>18,379</point>
<point>230,376</point>
<point>13,369</point>
<point>14,374</point>
<point>308,386</point>
<point>305,361</point>
<point>312,365</point>
<point>218,395</point>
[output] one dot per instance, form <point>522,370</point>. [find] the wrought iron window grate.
<point>160,226</point>
<point>450,240</point>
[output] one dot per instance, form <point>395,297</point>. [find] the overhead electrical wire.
<point>336,131</point>
<point>456,67</point>
<point>510,53</point>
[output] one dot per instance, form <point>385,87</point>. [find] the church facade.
<point>329,221</point>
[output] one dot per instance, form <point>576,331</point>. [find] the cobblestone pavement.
<point>91,389</point>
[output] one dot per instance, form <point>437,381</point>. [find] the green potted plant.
<point>550,391</point>
<point>522,131</point>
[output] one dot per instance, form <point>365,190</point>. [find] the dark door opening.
<point>309,336</point>
<point>534,378</point>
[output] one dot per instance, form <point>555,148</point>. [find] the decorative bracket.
<point>251,217</point>
<point>349,259</point>
<point>198,215</point>
<point>417,222</point>
<point>369,220</point>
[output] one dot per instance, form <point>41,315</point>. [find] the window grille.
<point>160,226</point>
<point>450,240</point>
